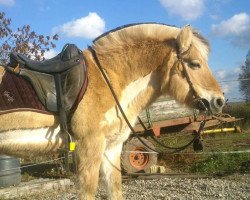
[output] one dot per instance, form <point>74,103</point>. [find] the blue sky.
<point>225,23</point>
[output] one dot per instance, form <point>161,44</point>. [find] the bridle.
<point>180,59</point>
<point>134,133</point>
<point>197,98</point>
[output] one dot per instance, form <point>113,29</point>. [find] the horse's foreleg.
<point>89,155</point>
<point>111,172</point>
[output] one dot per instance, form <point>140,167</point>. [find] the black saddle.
<point>57,81</point>
<point>69,57</point>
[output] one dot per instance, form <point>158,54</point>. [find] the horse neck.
<point>128,64</point>
<point>136,74</point>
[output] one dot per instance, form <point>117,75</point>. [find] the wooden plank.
<point>165,109</point>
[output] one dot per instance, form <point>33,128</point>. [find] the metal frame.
<point>183,124</point>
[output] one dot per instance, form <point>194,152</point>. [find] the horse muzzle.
<point>215,105</point>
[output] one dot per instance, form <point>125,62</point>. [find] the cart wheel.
<point>134,159</point>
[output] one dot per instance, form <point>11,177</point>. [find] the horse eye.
<point>195,64</point>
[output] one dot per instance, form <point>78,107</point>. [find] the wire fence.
<point>191,153</point>
<point>35,164</point>
<point>136,152</point>
<point>234,80</point>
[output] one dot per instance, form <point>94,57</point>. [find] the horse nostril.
<point>202,104</point>
<point>220,102</point>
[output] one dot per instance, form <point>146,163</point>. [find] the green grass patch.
<point>204,162</point>
<point>223,164</point>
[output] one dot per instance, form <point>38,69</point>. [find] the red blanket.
<point>16,94</point>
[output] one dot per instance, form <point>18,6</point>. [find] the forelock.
<point>202,44</point>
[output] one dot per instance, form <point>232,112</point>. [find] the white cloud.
<point>47,54</point>
<point>50,54</point>
<point>237,28</point>
<point>187,9</point>
<point>7,2</point>
<point>231,91</point>
<point>226,89</point>
<point>88,27</point>
<point>221,74</point>
<point>235,25</point>
<point>237,70</point>
<point>228,82</point>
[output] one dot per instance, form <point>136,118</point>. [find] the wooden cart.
<point>164,116</point>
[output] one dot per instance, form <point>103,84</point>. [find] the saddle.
<point>57,81</point>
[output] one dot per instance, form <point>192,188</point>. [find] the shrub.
<point>239,110</point>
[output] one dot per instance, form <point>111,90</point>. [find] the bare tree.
<point>23,40</point>
<point>244,78</point>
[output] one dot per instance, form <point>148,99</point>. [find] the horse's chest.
<point>115,128</point>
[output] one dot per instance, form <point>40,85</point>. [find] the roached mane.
<point>128,35</point>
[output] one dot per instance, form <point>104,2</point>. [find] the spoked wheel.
<point>135,156</point>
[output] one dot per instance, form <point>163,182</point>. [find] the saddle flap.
<point>44,85</point>
<point>72,82</point>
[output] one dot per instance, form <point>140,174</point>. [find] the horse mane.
<point>131,34</point>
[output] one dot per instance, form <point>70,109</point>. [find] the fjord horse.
<point>142,62</point>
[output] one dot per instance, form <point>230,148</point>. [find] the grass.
<point>45,169</point>
<point>213,159</point>
<point>224,164</point>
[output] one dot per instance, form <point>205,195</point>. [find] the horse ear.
<point>184,39</point>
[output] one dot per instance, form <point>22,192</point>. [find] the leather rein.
<point>197,98</point>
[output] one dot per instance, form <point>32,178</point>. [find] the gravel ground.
<point>230,187</point>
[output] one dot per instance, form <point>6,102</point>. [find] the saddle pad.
<point>17,94</point>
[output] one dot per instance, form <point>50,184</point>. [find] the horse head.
<point>190,79</point>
